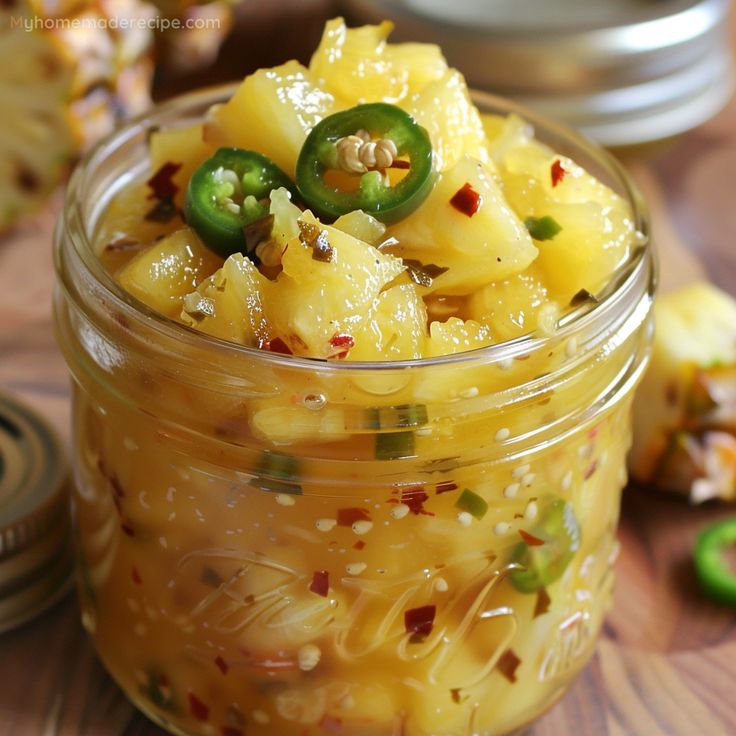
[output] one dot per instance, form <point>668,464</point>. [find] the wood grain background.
<point>666,665</point>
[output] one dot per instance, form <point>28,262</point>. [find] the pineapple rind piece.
<point>685,413</point>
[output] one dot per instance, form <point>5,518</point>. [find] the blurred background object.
<point>624,72</point>
<point>260,33</point>
<point>68,75</point>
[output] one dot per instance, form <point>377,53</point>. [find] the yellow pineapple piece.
<point>455,128</point>
<point>229,304</point>
<point>185,146</point>
<point>164,273</point>
<point>490,245</point>
<point>685,413</point>
<point>271,112</point>
<point>361,226</point>
<point>456,336</point>
<point>597,229</point>
<point>313,300</point>
<point>358,65</point>
<point>395,329</point>
<point>512,307</point>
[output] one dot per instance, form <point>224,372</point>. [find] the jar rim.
<point>619,293</point>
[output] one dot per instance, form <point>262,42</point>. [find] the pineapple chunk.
<point>597,229</point>
<point>395,329</point>
<point>165,272</point>
<point>454,125</point>
<point>456,336</point>
<point>271,112</point>
<point>228,304</point>
<point>312,300</point>
<point>123,233</point>
<point>512,307</point>
<point>357,65</point>
<point>361,226</point>
<point>685,414</point>
<point>183,146</point>
<point>491,245</point>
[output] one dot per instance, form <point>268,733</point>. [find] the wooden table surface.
<point>666,664</point>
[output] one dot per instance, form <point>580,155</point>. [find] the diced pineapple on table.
<point>475,247</point>
<point>685,411</point>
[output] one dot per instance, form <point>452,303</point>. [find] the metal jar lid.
<point>623,72</point>
<point>35,538</point>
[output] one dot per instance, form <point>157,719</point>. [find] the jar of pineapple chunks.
<point>270,544</point>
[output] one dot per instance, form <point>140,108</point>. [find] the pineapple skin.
<point>685,412</point>
<point>85,67</point>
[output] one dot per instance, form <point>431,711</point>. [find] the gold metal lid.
<point>35,548</point>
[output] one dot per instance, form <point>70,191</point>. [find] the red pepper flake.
<point>400,164</point>
<point>277,345</point>
<point>591,469</point>
<point>197,708</point>
<point>419,622</point>
<point>530,539</point>
<point>320,583</point>
<point>342,340</point>
<point>231,731</point>
<point>414,498</point>
<point>466,200</point>
<point>127,528</point>
<point>542,605</point>
<point>445,486</point>
<point>222,665</point>
<point>359,545</point>
<point>342,343</point>
<point>348,517</point>
<point>330,724</point>
<point>508,664</point>
<point>136,576</point>
<point>557,172</point>
<point>161,185</point>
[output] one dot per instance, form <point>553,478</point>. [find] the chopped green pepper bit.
<point>344,141</point>
<point>542,228</point>
<point>471,502</point>
<point>278,473</point>
<point>226,194</point>
<point>394,445</point>
<point>542,564</point>
<point>715,561</point>
<point>389,417</point>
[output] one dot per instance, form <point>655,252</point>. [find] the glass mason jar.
<point>276,545</point>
